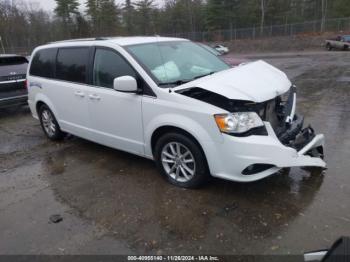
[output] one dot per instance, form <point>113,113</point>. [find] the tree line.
<point>28,25</point>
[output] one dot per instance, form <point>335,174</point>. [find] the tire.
<point>189,171</point>
<point>49,124</point>
<point>346,47</point>
<point>329,47</point>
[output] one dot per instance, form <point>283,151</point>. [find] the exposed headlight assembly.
<point>287,95</point>
<point>284,97</point>
<point>238,123</point>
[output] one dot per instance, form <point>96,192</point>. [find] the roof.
<point>124,41</point>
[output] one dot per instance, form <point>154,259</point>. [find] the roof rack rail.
<point>81,40</point>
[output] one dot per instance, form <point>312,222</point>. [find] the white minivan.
<point>172,101</point>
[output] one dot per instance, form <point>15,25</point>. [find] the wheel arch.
<point>40,100</point>
<point>38,105</point>
<point>162,130</point>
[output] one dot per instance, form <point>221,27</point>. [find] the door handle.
<point>95,97</point>
<point>79,93</point>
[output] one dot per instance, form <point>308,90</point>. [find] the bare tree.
<point>324,14</point>
<point>24,26</point>
<point>263,10</point>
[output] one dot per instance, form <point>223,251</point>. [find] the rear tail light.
<point>26,84</point>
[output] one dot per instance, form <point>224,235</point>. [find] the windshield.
<point>211,50</point>
<point>347,37</point>
<point>175,63</point>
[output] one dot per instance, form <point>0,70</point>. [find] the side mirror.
<point>126,84</point>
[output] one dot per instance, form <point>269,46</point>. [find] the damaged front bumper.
<point>247,159</point>
<point>307,145</point>
<point>285,142</point>
<point>301,139</point>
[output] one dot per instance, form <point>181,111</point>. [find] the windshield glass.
<point>347,37</point>
<point>175,63</point>
<point>210,49</point>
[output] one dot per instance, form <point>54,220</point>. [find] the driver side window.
<point>109,65</point>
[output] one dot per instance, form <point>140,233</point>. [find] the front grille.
<point>12,77</point>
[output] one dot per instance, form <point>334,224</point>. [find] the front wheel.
<point>329,47</point>
<point>49,124</point>
<point>181,160</point>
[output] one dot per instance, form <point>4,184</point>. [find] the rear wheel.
<point>181,160</point>
<point>49,124</point>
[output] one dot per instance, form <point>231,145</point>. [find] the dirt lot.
<point>116,203</point>
<point>301,42</point>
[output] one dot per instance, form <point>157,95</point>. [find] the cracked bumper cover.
<point>229,159</point>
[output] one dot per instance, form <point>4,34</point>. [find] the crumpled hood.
<point>257,81</point>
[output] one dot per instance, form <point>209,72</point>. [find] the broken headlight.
<point>284,97</point>
<point>238,123</point>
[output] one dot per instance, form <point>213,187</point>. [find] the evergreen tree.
<point>215,9</point>
<point>109,18</point>
<point>92,10</point>
<point>104,17</point>
<point>145,21</point>
<point>82,27</point>
<point>128,17</point>
<point>66,10</point>
<point>339,8</point>
<point>28,26</point>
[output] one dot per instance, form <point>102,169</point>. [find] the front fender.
<point>179,121</point>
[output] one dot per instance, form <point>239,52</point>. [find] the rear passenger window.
<point>72,64</point>
<point>109,65</point>
<point>43,63</point>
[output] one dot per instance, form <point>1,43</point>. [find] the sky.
<point>49,5</point>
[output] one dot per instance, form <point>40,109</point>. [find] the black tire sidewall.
<point>202,171</point>
<point>58,135</point>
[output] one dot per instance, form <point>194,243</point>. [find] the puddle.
<point>127,196</point>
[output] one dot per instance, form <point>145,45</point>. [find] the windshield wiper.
<point>181,82</point>
<point>175,83</point>
<point>208,74</point>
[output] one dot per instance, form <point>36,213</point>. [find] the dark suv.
<point>13,69</point>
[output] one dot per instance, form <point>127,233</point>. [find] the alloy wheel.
<point>178,162</point>
<point>48,123</point>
